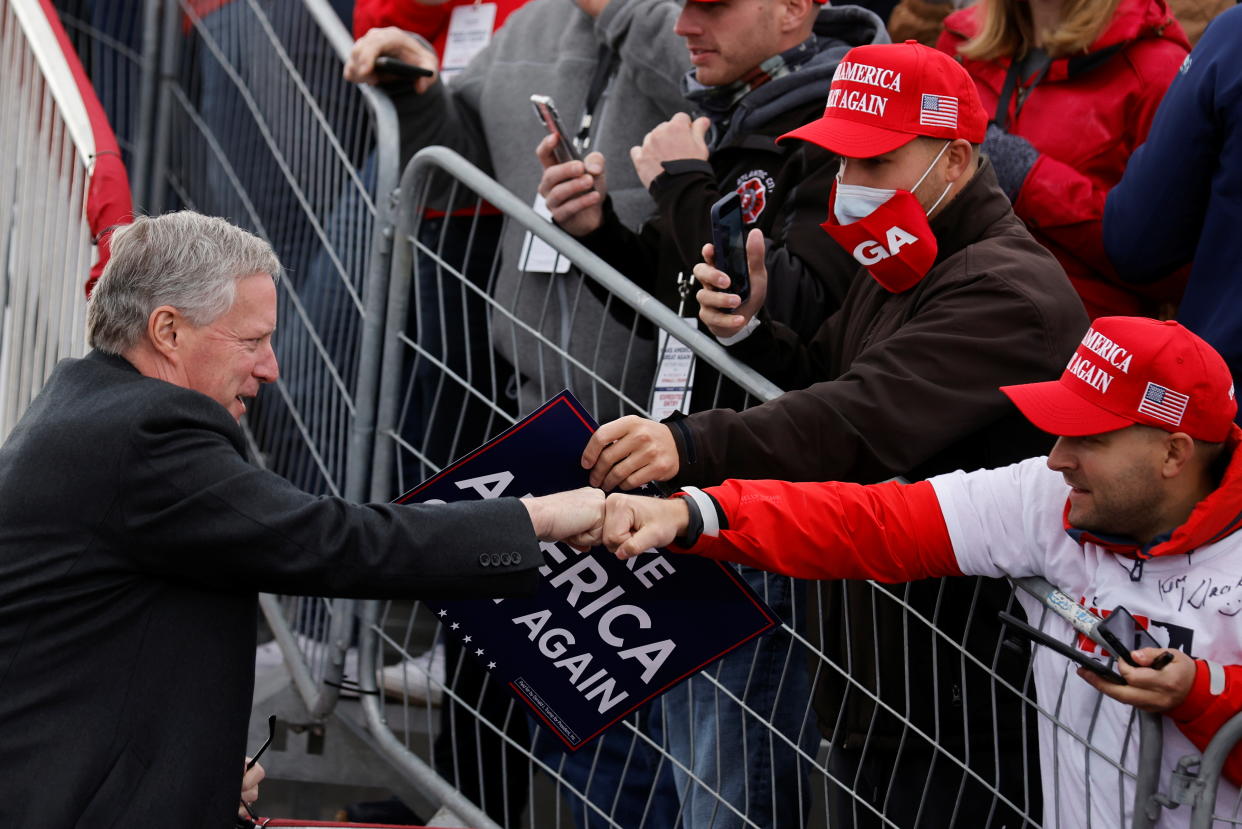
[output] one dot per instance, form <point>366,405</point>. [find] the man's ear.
<point>959,159</point>
<point>798,14</point>
<point>165,327</point>
<point>1179,451</point>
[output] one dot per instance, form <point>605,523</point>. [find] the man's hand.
<point>676,139</point>
<point>575,517</point>
<point>251,778</point>
<point>574,191</point>
<point>715,305</point>
<point>630,452</point>
<point>393,42</point>
<point>636,523</point>
<point>1148,690</point>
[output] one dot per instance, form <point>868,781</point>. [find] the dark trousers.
<point>920,788</point>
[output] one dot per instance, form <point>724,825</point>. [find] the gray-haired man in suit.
<point>134,537</point>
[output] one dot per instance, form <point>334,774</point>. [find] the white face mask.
<point>856,202</point>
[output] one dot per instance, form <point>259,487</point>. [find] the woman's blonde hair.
<point>1007,30</point>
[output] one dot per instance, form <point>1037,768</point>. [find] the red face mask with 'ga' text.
<point>894,243</point>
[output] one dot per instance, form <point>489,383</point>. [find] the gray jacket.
<point>551,47</point>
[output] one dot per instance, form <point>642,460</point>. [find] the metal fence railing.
<point>118,44</point>
<point>446,388</point>
<point>406,342</point>
<point>1197,778</point>
<point>51,178</point>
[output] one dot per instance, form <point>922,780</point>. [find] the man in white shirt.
<point>1137,505</point>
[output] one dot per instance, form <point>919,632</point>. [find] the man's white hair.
<point>183,259</point>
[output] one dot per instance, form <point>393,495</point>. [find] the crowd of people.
<point>934,229</point>
<point>995,152</point>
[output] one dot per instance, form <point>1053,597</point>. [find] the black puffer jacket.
<point>785,188</point>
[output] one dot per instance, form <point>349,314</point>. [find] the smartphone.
<point>1069,651</point>
<point>545,111</point>
<point>391,66</point>
<point>1123,634</point>
<point>729,240</point>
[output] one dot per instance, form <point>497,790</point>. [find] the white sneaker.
<point>420,680</point>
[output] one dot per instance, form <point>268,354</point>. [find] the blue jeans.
<point>736,756</point>
<point>620,774</point>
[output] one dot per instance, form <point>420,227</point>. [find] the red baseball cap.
<point>1130,370</point>
<point>884,96</point>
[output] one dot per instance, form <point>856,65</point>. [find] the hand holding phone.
<point>1123,634</point>
<point>729,241</point>
<point>387,65</point>
<point>545,111</point>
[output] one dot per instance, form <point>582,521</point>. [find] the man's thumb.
<point>700,126</point>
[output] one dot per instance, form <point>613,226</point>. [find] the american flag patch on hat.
<point>1163,404</point>
<point>938,111</point>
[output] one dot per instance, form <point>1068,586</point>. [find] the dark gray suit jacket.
<point>134,537</point>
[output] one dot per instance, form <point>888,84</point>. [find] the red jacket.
<point>1085,117</point>
<point>429,21</point>
<point>896,533</point>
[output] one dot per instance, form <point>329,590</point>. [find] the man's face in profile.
<point>230,357</point>
<point>1114,480</point>
<point>729,38</point>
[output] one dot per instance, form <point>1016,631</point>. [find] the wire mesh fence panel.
<point>45,238</point>
<point>872,705</point>
<point>262,129</point>
<point>472,344</point>
<point>108,37</point>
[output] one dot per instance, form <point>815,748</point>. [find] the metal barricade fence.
<point>53,133</point>
<point>1196,780</point>
<point>119,48</point>
<point>256,124</point>
<point>740,744</point>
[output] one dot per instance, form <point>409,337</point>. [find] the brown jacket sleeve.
<point>903,398</point>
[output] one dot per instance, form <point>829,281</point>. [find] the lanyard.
<point>1037,60</point>
<point>605,69</point>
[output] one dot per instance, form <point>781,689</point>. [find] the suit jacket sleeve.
<point>190,507</point>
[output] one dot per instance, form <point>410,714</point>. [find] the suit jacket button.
<point>495,559</point>
<point>517,557</point>
<point>485,560</point>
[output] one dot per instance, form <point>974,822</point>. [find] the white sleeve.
<point>1003,522</point>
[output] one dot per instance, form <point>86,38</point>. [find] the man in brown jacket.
<point>902,381</point>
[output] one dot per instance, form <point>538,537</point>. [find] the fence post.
<point>170,40</point>
<point>1147,801</point>
<point>148,88</point>
<point>1197,776</point>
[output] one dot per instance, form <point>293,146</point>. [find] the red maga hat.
<point>884,96</point>
<point>1130,370</point>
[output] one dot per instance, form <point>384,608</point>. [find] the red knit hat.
<point>1135,370</point>
<point>884,96</point>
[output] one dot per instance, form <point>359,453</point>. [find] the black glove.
<point>1012,157</point>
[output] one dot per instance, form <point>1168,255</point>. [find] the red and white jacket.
<point>1010,522</point>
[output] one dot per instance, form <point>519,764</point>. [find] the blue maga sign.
<point>601,636</point>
